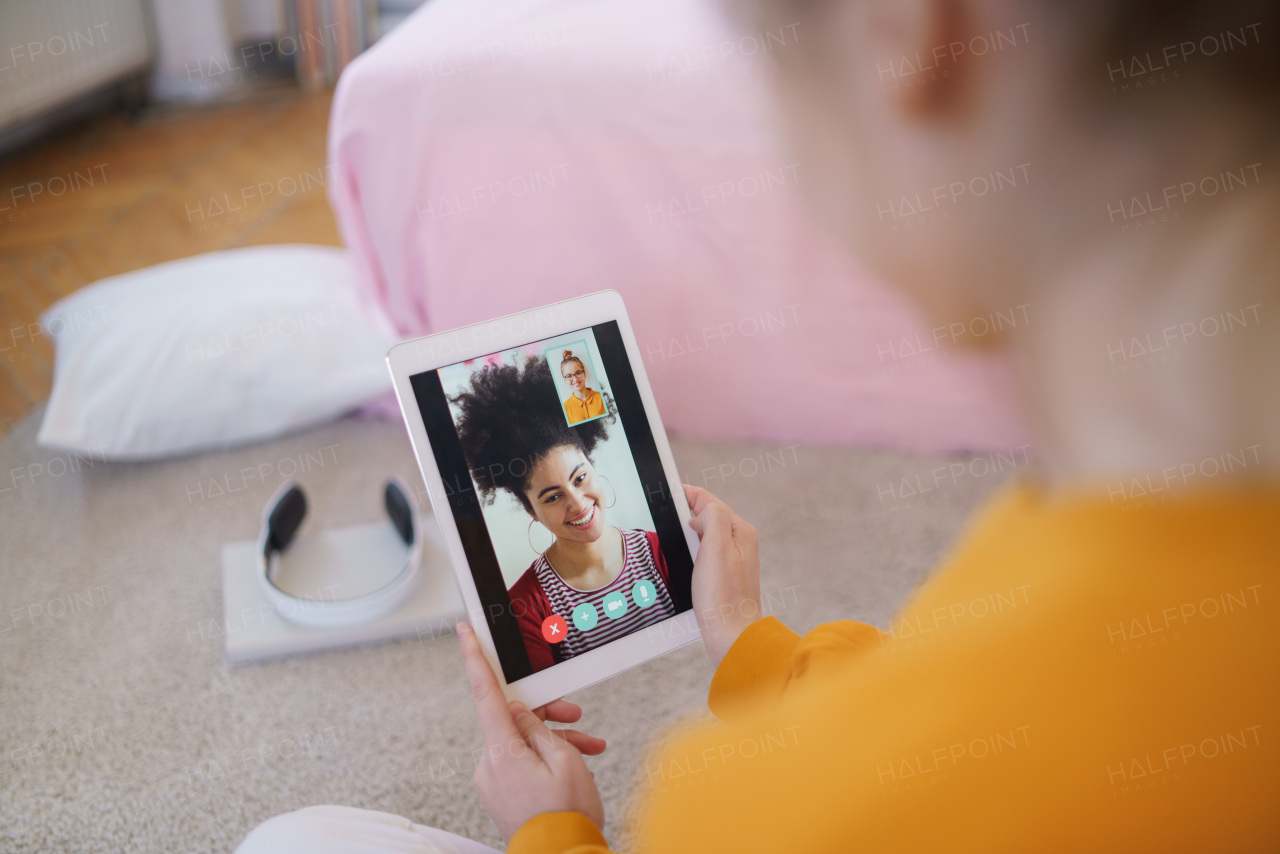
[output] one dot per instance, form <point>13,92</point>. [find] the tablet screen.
<point>553,477</point>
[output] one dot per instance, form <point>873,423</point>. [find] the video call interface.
<point>554,480</point>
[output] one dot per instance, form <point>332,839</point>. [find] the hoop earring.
<point>533,522</point>
<point>615,492</point>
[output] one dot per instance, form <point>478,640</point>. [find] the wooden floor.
<point>120,194</point>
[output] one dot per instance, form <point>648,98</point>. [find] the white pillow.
<point>210,351</point>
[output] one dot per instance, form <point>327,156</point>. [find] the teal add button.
<point>585,616</point>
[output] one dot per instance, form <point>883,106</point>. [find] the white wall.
<point>197,42</point>
<point>252,20</point>
<point>193,46</point>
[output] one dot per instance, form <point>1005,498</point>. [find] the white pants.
<point>347,830</point>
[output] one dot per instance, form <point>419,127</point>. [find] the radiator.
<point>52,51</point>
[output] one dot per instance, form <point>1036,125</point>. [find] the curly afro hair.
<point>510,418</point>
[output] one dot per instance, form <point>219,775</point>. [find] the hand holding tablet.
<point>726,581</point>
<point>527,767</point>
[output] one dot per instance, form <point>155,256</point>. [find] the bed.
<point>489,156</point>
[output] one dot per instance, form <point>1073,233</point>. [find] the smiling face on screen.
<point>575,376</point>
<point>566,495</point>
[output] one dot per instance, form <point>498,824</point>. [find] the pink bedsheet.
<point>495,155</point>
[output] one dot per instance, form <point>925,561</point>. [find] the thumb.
<point>714,522</point>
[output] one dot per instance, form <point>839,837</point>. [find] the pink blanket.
<point>495,155</point>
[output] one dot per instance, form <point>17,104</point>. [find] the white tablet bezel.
<point>436,351</point>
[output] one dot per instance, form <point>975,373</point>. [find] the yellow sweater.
<point>581,410</point>
<point>1076,678</point>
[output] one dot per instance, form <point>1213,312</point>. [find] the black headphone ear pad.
<point>399,511</point>
<point>286,517</point>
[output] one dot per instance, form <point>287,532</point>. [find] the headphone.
<point>280,522</point>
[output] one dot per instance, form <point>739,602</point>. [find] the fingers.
<point>535,733</point>
<point>715,521</point>
<point>698,498</point>
<point>702,504</point>
<point>491,704</point>
<point>588,745</point>
<point>560,711</point>
<point>706,509</point>
<point>564,712</point>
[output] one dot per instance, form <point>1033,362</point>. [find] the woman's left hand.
<point>527,767</point>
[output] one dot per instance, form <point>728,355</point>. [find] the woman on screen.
<point>603,582</point>
<point>585,402</point>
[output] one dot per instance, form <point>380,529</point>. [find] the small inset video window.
<point>580,389</point>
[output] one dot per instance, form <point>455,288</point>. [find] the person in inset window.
<point>515,439</point>
<point>585,402</point>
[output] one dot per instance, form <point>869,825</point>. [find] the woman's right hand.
<point>726,575</point>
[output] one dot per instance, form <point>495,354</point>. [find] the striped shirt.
<point>541,591</point>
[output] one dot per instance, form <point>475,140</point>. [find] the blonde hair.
<point>569,357</point>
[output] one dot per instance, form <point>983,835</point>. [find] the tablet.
<point>550,474</point>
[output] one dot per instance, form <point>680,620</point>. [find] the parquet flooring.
<point>118,194</point>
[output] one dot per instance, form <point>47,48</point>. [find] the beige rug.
<point>124,729</point>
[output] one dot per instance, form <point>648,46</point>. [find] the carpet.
<point>124,728</point>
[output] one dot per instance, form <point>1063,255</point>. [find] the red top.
<point>530,604</point>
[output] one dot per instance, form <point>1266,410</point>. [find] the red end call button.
<point>553,628</point>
